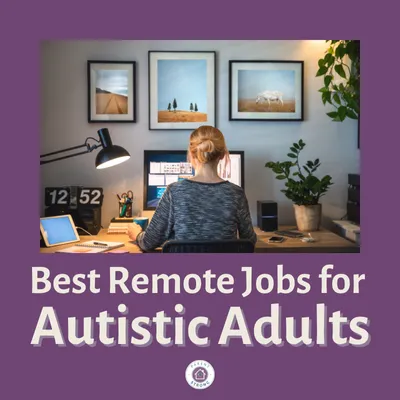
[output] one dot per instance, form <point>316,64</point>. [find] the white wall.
<point>64,122</point>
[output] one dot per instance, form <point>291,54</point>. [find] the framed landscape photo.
<point>111,91</point>
<point>266,90</point>
<point>182,89</point>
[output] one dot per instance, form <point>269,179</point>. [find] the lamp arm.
<point>89,149</point>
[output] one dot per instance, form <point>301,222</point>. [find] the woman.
<point>205,207</point>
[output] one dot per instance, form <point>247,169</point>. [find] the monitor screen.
<point>162,167</point>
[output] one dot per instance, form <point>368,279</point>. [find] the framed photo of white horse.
<point>266,90</point>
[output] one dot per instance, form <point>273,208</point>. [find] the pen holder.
<point>125,210</point>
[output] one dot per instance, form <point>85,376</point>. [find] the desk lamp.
<point>108,156</point>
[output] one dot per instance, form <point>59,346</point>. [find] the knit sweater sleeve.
<point>161,225</point>
<point>245,225</point>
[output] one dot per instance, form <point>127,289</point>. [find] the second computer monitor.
<point>162,167</point>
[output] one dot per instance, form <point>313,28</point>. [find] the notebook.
<point>91,247</point>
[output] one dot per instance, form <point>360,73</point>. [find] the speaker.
<point>267,215</point>
<point>87,218</point>
<point>353,198</point>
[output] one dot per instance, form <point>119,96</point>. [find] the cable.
<point>84,230</point>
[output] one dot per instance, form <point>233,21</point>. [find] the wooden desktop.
<point>325,242</point>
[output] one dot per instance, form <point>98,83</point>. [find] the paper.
<point>156,180</point>
<point>171,179</point>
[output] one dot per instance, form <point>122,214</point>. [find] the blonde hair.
<point>207,144</point>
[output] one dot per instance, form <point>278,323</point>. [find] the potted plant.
<point>302,187</point>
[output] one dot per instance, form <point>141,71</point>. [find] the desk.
<point>326,242</point>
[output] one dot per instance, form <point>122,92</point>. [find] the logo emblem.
<point>200,374</point>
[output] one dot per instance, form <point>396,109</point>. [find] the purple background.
<point>155,372</point>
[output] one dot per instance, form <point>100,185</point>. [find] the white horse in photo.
<point>270,96</point>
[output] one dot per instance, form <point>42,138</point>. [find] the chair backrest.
<point>212,246</point>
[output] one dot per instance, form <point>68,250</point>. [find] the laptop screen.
<point>58,230</point>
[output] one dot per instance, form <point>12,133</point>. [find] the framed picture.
<point>266,90</point>
<point>111,91</point>
<point>182,89</point>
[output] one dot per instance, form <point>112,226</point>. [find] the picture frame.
<point>182,89</point>
<point>266,90</point>
<point>111,91</point>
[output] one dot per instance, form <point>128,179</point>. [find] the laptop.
<point>61,229</point>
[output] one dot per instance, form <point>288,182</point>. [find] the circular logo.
<point>200,374</point>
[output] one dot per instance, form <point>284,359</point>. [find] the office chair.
<point>208,246</point>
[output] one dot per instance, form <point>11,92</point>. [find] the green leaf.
<point>342,113</point>
<point>340,71</point>
<point>296,146</point>
<point>322,71</point>
<point>277,170</point>
<point>336,98</point>
<point>307,170</point>
<point>330,62</point>
<point>326,97</point>
<point>291,155</point>
<point>328,58</point>
<point>323,89</point>
<point>328,80</point>
<point>281,177</point>
<point>321,62</point>
<point>294,150</point>
<point>340,51</point>
<point>316,162</point>
<point>351,114</point>
<point>332,114</point>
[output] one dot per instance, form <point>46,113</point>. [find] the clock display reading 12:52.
<point>73,196</point>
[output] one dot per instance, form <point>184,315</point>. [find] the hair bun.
<point>206,146</point>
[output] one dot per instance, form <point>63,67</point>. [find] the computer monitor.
<point>162,167</point>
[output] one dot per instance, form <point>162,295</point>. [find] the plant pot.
<point>308,218</point>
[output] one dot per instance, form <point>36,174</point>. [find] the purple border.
<point>155,372</point>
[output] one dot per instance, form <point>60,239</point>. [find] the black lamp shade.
<point>110,154</point>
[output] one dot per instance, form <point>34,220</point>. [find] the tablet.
<point>58,230</point>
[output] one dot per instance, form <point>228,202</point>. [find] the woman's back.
<point>205,207</point>
<point>192,210</point>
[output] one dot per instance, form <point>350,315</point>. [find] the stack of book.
<point>119,225</point>
<point>348,230</point>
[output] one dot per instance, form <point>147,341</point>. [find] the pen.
<point>100,244</point>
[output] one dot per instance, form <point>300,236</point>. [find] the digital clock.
<point>73,196</point>
<point>82,203</point>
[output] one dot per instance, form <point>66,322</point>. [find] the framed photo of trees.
<point>182,89</point>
